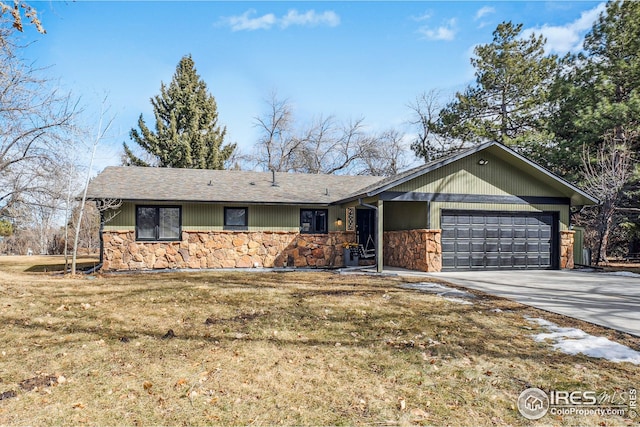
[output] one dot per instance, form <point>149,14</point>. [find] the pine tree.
<point>507,102</point>
<point>598,100</point>
<point>187,133</point>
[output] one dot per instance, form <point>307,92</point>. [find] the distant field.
<point>42,263</point>
<point>239,348</point>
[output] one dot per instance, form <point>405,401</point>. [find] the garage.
<point>485,208</point>
<point>499,240</point>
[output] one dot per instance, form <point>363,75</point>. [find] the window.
<point>158,223</point>
<point>235,218</point>
<point>313,221</point>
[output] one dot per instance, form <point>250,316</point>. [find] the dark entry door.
<point>366,228</point>
<point>498,240</point>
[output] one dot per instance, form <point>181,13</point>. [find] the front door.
<point>366,228</point>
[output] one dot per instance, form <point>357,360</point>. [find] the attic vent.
<point>252,183</point>
<point>210,183</point>
<point>326,191</point>
<point>273,178</point>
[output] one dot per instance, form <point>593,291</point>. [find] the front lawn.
<point>276,348</point>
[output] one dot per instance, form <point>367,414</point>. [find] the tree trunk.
<point>605,231</point>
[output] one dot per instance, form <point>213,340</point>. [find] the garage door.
<point>497,240</point>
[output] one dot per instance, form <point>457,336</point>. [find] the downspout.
<point>101,237</point>
<point>366,205</point>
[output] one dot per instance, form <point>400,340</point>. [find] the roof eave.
<point>235,202</point>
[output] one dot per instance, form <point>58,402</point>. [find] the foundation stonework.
<point>419,249</point>
<point>225,249</point>
<point>566,249</point>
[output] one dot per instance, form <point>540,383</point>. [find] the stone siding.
<point>419,250</point>
<point>225,249</point>
<point>566,248</point>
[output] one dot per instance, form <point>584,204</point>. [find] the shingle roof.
<point>200,185</point>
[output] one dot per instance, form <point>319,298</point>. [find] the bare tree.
<point>427,143</point>
<point>15,10</point>
<point>101,131</point>
<point>606,172</point>
<point>36,123</point>
<point>387,155</point>
<point>325,146</point>
<point>277,146</point>
<point>44,208</point>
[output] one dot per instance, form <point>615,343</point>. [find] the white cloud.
<point>569,37</point>
<point>484,11</point>
<point>447,31</point>
<point>424,17</point>
<point>249,22</point>
<point>293,17</point>
<point>246,22</point>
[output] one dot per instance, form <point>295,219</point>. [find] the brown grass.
<point>44,264</point>
<point>632,267</point>
<point>275,348</point>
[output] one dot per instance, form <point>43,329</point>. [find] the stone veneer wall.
<point>413,249</point>
<point>225,249</point>
<point>566,248</point>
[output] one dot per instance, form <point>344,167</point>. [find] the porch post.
<point>380,236</point>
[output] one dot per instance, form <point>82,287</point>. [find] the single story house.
<point>485,208</point>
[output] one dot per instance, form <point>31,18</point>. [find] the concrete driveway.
<point>605,299</point>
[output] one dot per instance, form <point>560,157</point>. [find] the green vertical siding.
<point>415,215</point>
<point>124,219</point>
<point>578,247</point>
<point>405,216</point>
<point>210,217</point>
<point>466,176</point>
<point>200,216</point>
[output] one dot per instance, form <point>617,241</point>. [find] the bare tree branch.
<point>606,172</point>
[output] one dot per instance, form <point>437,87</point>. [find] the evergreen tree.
<point>601,94</point>
<point>507,104</point>
<point>598,100</point>
<point>187,133</point>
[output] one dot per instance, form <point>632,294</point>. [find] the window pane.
<point>321,222</point>
<point>146,223</point>
<point>235,216</point>
<point>169,219</point>
<point>306,219</point>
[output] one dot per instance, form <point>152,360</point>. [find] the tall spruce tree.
<point>187,133</point>
<point>507,104</point>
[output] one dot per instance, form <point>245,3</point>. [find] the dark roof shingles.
<point>200,185</point>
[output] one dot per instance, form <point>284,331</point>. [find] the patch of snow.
<point>450,294</point>
<point>623,273</point>
<point>576,341</point>
<point>458,300</point>
<point>541,322</point>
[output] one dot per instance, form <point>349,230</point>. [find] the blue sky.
<point>347,59</point>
